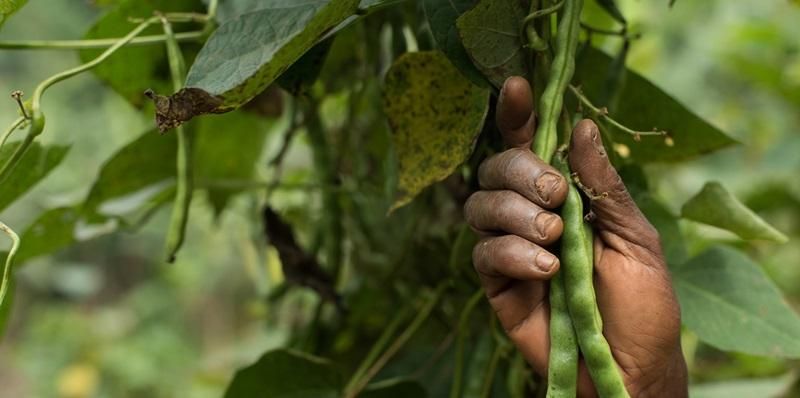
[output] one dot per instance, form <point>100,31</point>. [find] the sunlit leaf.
<point>35,164</point>
<point>714,205</point>
<point>642,106</point>
<point>230,71</point>
<point>732,305</point>
<point>490,34</point>
<point>442,15</point>
<point>285,373</point>
<point>133,69</point>
<point>144,162</point>
<point>8,7</point>
<point>435,114</point>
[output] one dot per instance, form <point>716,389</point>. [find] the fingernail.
<point>545,261</point>
<point>543,222</point>
<point>545,185</point>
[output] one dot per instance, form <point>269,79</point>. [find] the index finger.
<point>514,116</point>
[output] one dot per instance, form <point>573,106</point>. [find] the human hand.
<point>514,214</point>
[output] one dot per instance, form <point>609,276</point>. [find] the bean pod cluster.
<point>575,322</point>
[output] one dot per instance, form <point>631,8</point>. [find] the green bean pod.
<point>577,267</point>
<point>561,70</point>
<point>185,176</point>
<point>562,370</point>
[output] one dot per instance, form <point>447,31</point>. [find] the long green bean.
<point>561,71</point>
<point>577,267</point>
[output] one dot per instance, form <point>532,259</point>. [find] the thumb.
<point>617,218</point>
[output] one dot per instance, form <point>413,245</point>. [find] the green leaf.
<point>227,149</point>
<point>144,162</point>
<point>8,7</point>
<point>51,231</point>
<point>714,205</point>
<point>35,164</point>
<point>395,389</point>
<point>235,70</point>
<point>442,15</point>
<point>772,387</point>
<point>642,106</point>
<point>611,7</point>
<point>731,304</point>
<point>490,34</point>
<point>285,373</point>
<point>435,115</point>
<point>133,69</point>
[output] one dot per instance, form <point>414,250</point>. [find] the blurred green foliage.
<point>104,318</point>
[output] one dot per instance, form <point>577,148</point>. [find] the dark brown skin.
<point>514,215</point>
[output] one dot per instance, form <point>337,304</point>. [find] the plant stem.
<point>458,368</point>
<point>326,171</point>
<point>37,118</point>
<point>603,113</point>
<point>211,12</point>
<point>491,370</point>
<point>401,340</point>
<point>623,33</point>
<point>378,347</point>
<point>176,17</point>
<point>89,44</point>
<point>4,283</point>
<point>11,130</point>
<point>184,188</point>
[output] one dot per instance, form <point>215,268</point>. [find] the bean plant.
<point>396,101</point>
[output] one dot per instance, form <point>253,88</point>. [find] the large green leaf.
<point>436,115</point>
<point>227,149</point>
<point>36,164</point>
<point>229,71</point>
<point>285,373</point>
<point>133,69</point>
<point>771,387</point>
<point>52,230</point>
<point>643,106</point>
<point>490,34</point>
<point>442,15</point>
<point>143,163</point>
<point>8,7</point>
<point>731,304</point>
<point>714,205</point>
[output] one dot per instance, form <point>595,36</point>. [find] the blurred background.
<point>105,318</point>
